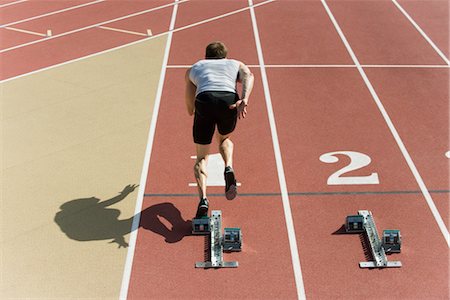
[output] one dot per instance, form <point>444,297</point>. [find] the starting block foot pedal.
<point>232,240</point>
<point>201,226</point>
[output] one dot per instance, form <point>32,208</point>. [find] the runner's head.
<point>216,50</point>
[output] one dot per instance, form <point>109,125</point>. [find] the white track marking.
<point>214,169</point>
<point>447,154</point>
<point>394,132</point>
<point>132,43</point>
<point>145,167</point>
<point>331,66</point>
<point>425,36</point>
<point>279,162</point>
<point>408,66</point>
<point>123,31</point>
<point>51,13</point>
<point>12,3</point>
<point>310,66</point>
<point>136,14</point>
<point>26,31</point>
<point>92,26</point>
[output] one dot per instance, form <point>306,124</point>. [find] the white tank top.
<point>215,75</point>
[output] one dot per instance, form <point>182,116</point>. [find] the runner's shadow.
<point>166,220</point>
<point>90,219</point>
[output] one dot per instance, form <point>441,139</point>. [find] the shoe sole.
<point>231,193</point>
<point>202,211</point>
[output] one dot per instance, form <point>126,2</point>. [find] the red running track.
<point>60,49</point>
<point>317,111</point>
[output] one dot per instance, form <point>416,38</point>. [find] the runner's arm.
<point>189,94</point>
<point>246,78</point>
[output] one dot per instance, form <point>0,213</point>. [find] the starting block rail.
<point>375,244</point>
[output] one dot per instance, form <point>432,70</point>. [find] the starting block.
<point>391,242</point>
<point>230,241</point>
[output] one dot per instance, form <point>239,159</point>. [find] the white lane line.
<point>279,162</point>
<point>276,66</point>
<point>92,26</point>
<point>145,167</point>
<point>26,31</point>
<point>394,132</point>
<point>123,31</point>
<point>425,36</point>
<point>132,43</point>
<point>51,13</point>
<point>330,66</point>
<point>408,66</point>
<point>12,3</point>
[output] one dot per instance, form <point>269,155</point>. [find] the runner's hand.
<point>241,106</point>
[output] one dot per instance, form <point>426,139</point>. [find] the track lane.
<point>61,50</point>
<point>200,11</point>
<point>426,102</point>
<point>9,70</point>
<point>261,218</point>
<point>380,34</point>
<point>160,181</point>
<point>433,17</point>
<point>315,125</point>
<point>29,9</point>
<point>10,38</point>
<point>237,35</point>
<point>330,258</point>
<point>329,110</point>
<point>299,33</point>
<point>83,43</point>
<point>156,21</point>
<point>89,15</point>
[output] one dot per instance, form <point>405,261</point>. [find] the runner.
<point>212,97</point>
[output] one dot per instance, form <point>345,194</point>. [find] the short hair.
<point>216,50</point>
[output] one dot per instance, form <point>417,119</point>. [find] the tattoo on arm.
<point>246,77</point>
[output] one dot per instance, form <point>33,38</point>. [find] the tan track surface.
<point>74,132</point>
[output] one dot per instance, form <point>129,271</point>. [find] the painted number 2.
<point>357,161</point>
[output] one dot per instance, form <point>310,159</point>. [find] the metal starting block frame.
<point>376,245</point>
<point>216,241</point>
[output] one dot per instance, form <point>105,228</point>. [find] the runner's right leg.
<point>226,147</point>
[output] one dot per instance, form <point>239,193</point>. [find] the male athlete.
<point>211,95</point>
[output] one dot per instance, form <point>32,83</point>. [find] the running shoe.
<point>230,184</point>
<point>202,209</point>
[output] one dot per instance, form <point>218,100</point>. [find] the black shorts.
<point>211,109</point>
